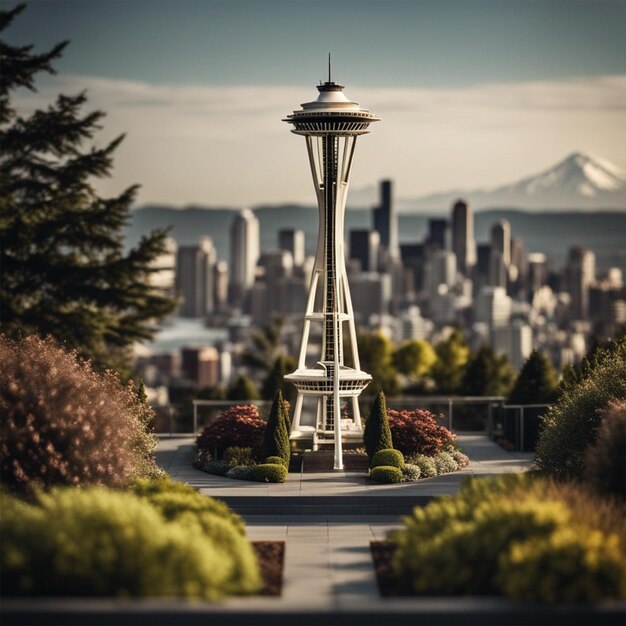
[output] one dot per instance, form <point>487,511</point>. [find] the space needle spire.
<point>330,125</point>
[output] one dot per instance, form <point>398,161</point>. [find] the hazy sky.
<point>472,93</point>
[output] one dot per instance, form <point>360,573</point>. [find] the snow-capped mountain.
<point>580,181</point>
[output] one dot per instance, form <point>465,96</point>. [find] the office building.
<point>463,243</point>
<point>194,278</point>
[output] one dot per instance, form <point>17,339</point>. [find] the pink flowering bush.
<point>417,432</point>
<point>240,426</point>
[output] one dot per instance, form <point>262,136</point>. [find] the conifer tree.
<point>243,389</point>
<point>487,374</point>
<point>276,435</point>
<point>537,381</point>
<point>64,269</point>
<point>377,434</point>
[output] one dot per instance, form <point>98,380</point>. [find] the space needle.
<point>330,126</point>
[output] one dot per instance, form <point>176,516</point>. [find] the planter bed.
<point>271,557</point>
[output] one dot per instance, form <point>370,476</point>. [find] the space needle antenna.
<point>329,73</point>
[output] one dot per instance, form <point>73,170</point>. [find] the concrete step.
<point>323,461</point>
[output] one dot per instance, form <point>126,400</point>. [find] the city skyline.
<point>473,94</point>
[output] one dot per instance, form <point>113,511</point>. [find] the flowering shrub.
<point>240,426</point>
<point>462,460</point>
<point>417,432</point>
<point>411,472</point>
<point>64,423</point>
<point>445,463</point>
<point>426,465</point>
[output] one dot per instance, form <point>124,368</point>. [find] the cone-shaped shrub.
<point>276,435</point>
<point>377,435</point>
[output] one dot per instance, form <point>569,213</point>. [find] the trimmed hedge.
<point>269,473</point>
<point>386,474</point>
<point>241,472</point>
<point>275,459</point>
<point>388,457</point>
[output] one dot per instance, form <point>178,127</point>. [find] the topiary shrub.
<point>417,432</point>
<point>445,463</point>
<point>391,458</point>
<point>240,472</point>
<point>462,460</point>
<point>274,459</point>
<point>269,473</point>
<point>217,468</point>
<point>411,472</point>
<point>605,461</point>
<point>240,426</point>
<point>427,466</point>
<point>65,424</point>
<point>386,474</point>
<point>239,456</point>
<point>377,435</point>
<point>276,434</point>
<point>571,425</point>
<point>94,542</point>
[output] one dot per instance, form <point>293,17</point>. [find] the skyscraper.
<point>501,240</point>
<point>580,274</point>
<point>244,253</point>
<point>463,243</point>
<point>194,278</point>
<point>331,125</point>
<point>386,220</point>
<point>364,247</point>
<point>293,241</point>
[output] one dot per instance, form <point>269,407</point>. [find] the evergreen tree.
<point>452,356</point>
<point>276,435</point>
<point>243,389</point>
<point>274,380</point>
<point>537,381</point>
<point>64,270</point>
<point>377,435</point>
<point>487,374</point>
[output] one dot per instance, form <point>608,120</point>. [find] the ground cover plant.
<point>65,424</point>
<point>519,535</point>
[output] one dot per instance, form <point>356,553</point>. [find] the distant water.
<point>180,332</point>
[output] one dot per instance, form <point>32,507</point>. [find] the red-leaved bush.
<point>63,423</point>
<point>240,426</point>
<point>417,432</point>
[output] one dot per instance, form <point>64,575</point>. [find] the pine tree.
<point>487,374</point>
<point>64,269</point>
<point>537,381</point>
<point>377,435</point>
<point>281,366</point>
<point>243,389</point>
<point>276,435</point>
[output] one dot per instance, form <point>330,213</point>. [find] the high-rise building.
<point>515,340</point>
<point>244,253</point>
<point>293,241</point>
<point>330,126</point>
<point>201,366</point>
<point>164,276</point>
<point>386,221</point>
<point>580,274</point>
<point>463,243</point>
<point>440,270</point>
<point>221,286</point>
<point>438,234</point>
<point>364,247</point>
<point>371,295</point>
<point>194,278</point>
<point>501,240</point>
<point>493,307</point>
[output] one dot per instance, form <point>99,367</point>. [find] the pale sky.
<point>472,93</point>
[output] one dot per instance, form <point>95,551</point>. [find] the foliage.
<point>217,468</point>
<point>376,357</point>
<point>63,423</point>
<point>417,432</point>
<point>238,426</point>
<point>445,463</point>
<point>414,358</point>
<point>462,460</point>
<point>537,381</point>
<point>605,461</point>
<point>377,435</point>
<point>269,473</point>
<point>236,456</point>
<point>94,542</point>
<point>273,382</point>
<point>388,457</point>
<point>203,456</point>
<point>275,459</point>
<point>411,472</point>
<point>243,389</point>
<point>240,472</point>
<point>276,434</point>
<point>426,464</point>
<point>487,374</point>
<point>452,356</point>
<point>386,474</point>
<point>473,543</point>
<point>571,424</point>
<point>65,272</point>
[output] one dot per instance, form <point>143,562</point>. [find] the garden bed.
<point>388,585</point>
<point>271,557</point>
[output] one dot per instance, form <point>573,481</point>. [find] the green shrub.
<point>269,473</point>
<point>276,434</point>
<point>411,472</point>
<point>445,463</point>
<point>567,566</point>
<point>571,425</point>
<point>386,474</point>
<point>217,468</point>
<point>274,459</point>
<point>241,472</point>
<point>377,435</point>
<point>236,456</point>
<point>462,460</point>
<point>94,542</point>
<point>605,461</point>
<point>388,457</point>
<point>65,424</point>
<point>427,466</point>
